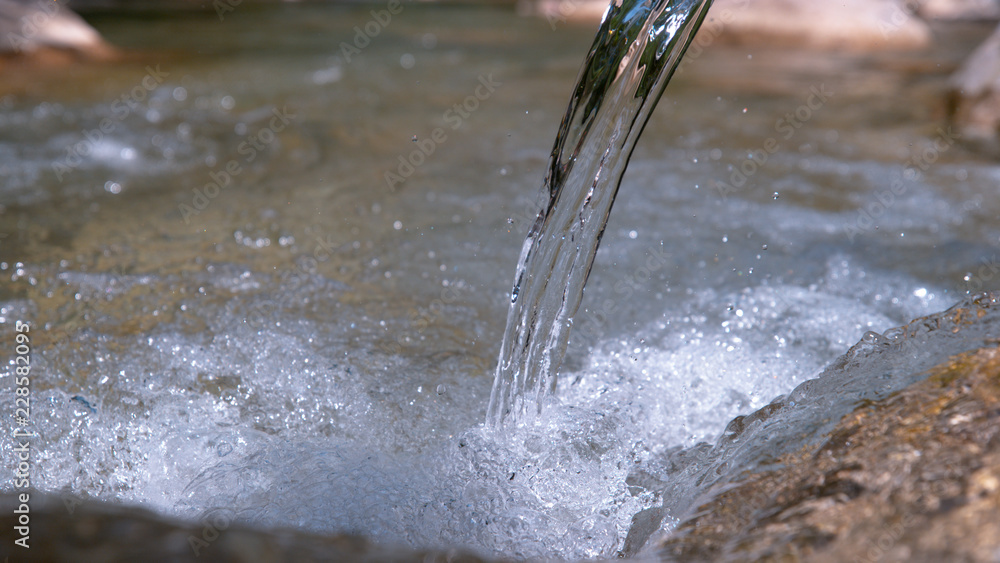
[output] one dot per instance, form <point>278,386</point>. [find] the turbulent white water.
<point>282,426</point>
<point>226,367</point>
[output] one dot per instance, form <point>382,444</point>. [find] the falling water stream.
<point>637,48</point>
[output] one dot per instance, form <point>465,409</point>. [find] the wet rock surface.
<point>67,528</point>
<point>914,477</point>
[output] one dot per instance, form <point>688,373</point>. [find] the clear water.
<point>234,363</point>
<point>637,48</point>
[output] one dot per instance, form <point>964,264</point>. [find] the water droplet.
<point>441,389</point>
<point>397,225</point>
<point>407,61</point>
<point>776,196</point>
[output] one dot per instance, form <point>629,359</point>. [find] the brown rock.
<point>46,31</point>
<point>974,99</point>
<point>914,477</point>
<point>69,529</point>
<point>850,25</point>
<point>958,9</point>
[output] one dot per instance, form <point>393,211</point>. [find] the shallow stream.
<point>313,345</point>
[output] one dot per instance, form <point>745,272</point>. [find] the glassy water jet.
<point>637,49</point>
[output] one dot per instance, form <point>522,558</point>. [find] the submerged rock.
<point>974,100</point>
<point>913,477</point>
<point>46,30</point>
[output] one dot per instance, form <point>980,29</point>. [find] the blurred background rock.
<point>48,33</point>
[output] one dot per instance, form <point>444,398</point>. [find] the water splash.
<point>635,53</point>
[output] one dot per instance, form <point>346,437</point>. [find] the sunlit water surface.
<point>314,349</point>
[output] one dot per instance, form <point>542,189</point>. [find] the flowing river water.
<point>311,342</point>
